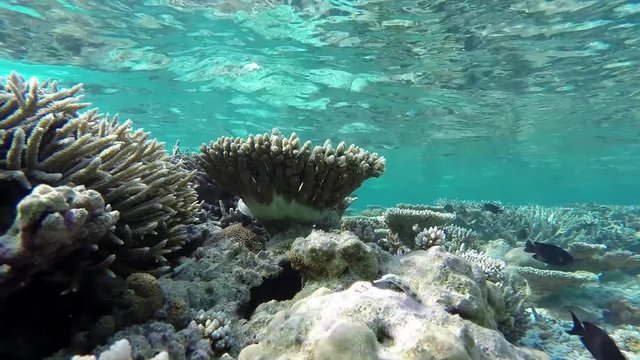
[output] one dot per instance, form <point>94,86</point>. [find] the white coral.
<point>493,268</point>
<point>427,238</point>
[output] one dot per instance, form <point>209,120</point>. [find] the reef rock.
<point>364,322</point>
<point>450,313</point>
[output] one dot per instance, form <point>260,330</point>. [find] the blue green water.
<point>517,101</point>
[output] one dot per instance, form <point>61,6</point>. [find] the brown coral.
<point>280,178</point>
<point>144,296</point>
<point>44,139</point>
<point>245,236</point>
<point>52,223</point>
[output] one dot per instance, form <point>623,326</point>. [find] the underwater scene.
<point>319,179</point>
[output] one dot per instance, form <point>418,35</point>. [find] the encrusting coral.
<point>45,140</point>
<point>279,178</point>
<point>52,223</point>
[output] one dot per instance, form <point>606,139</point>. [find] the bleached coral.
<point>459,238</point>
<point>545,282</point>
<point>493,268</point>
<point>216,327</point>
<point>120,350</point>
<point>429,237</point>
<point>401,220</point>
<point>365,322</point>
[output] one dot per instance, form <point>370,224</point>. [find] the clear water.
<point>523,102</point>
<point>518,101</point>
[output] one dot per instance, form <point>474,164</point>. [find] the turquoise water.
<point>521,102</point>
<point>533,105</point>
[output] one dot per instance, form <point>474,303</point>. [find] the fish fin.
<point>538,257</point>
<point>529,246</point>
<point>578,328</point>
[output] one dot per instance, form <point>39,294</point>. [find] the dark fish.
<point>492,208</point>
<point>449,208</point>
<point>596,340</point>
<point>547,253</point>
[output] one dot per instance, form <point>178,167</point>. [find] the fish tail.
<point>578,329</point>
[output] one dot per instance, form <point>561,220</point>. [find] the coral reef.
<point>91,198</point>
<point>327,255</point>
<point>120,350</point>
<point>278,178</point>
<point>546,282</point>
<point>427,238</point>
<point>155,341</point>
<point>492,268</point>
<point>252,237</point>
<point>364,227</point>
<point>53,224</point>
<point>621,311</point>
<point>44,139</point>
<point>215,203</point>
<point>402,219</point>
<point>365,322</point>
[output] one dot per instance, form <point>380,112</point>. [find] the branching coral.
<point>459,238</point>
<point>429,237</point>
<point>44,139</point>
<point>279,178</point>
<point>492,268</point>
<point>402,219</point>
<point>216,203</point>
<point>363,227</point>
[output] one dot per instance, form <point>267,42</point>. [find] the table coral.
<point>280,178</point>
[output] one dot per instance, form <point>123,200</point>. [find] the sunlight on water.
<point>548,90</point>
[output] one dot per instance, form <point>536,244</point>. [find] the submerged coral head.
<point>279,178</point>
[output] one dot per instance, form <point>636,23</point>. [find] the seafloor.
<point>107,236</point>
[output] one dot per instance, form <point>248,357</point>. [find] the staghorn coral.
<point>215,202</point>
<point>52,224</point>
<point>280,179</point>
<point>44,139</point>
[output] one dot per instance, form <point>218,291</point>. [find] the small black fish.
<point>547,253</point>
<point>492,208</point>
<point>596,340</point>
<point>449,208</point>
